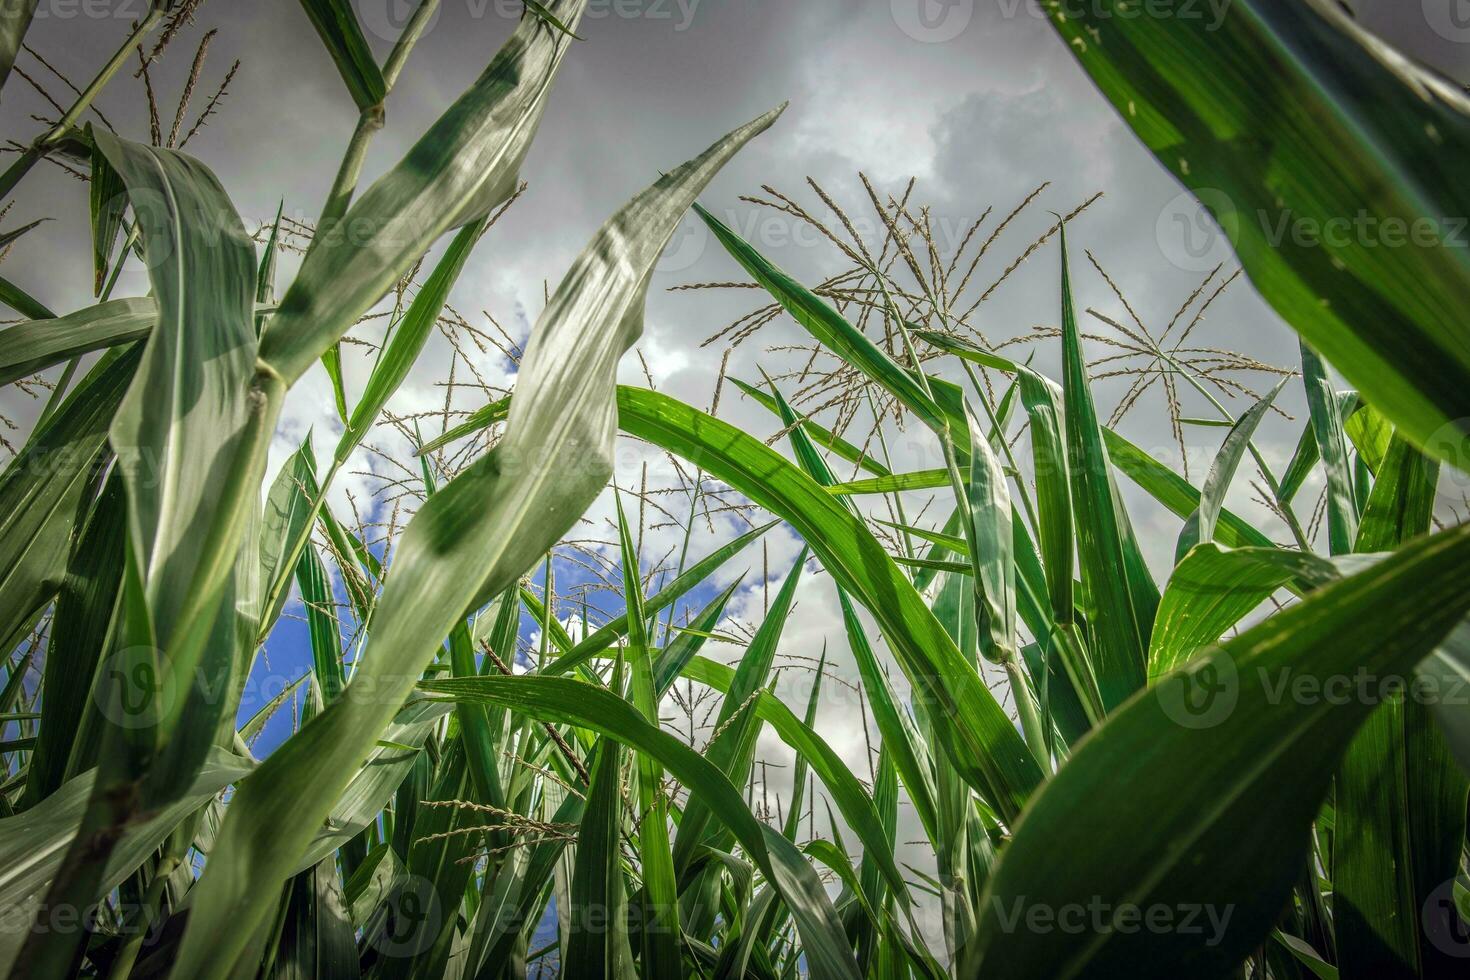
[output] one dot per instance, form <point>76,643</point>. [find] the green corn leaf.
<point>828,326</point>
<point>409,337</point>
<point>46,489</point>
<point>1213,588</point>
<point>336,22</point>
<point>38,344</point>
<point>1124,595</point>
<point>465,545</point>
<point>561,700</point>
<point>1207,94</point>
<point>32,843</point>
<point>438,872</point>
<point>15,20</point>
<point>1175,492</point>
<point>462,167</point>
<point>975,733</point>
<point>317,936</point>
<point>610,632</point>
<point>1342,508</point>
<point>22,302</point>
<point>847,793</point>
<point>659,919</point>
<point>990,553</point>
<point>321,619</point>
<point>892,483</point>
<point>108,201</point>
<point>1231,780</point>
<point>84,609</point>
<point>190,432</point>
<point>900,737</point>
<point>286,516</point>
<point>739,726</point>
<point>599,932</point>
<point>823,437</point>
<point>1396,848</point>
<point>1200,526</point>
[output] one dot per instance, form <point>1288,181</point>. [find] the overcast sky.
<point>977,99</point>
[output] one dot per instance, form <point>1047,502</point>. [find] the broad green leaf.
<point>1370,434</point>
<point>466,544</point>
<point>38,344</point>
<point>1240,108</point>
<point>46,489</point>
<point>464,165</point>
<point>1199,792</point>
<point>1400,798</point>
<point>409,336</point>
<point>84,611</point>
<point>190,432</point>
<point>336,22</point>
<point>975,732</point>
<point>1213,588</point>
<point>32,843</point>
<point>15,19</point>
<point>1121,592</point>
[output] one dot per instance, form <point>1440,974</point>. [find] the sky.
<point>976,99</point>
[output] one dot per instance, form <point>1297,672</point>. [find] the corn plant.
<point>1104,766</point>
